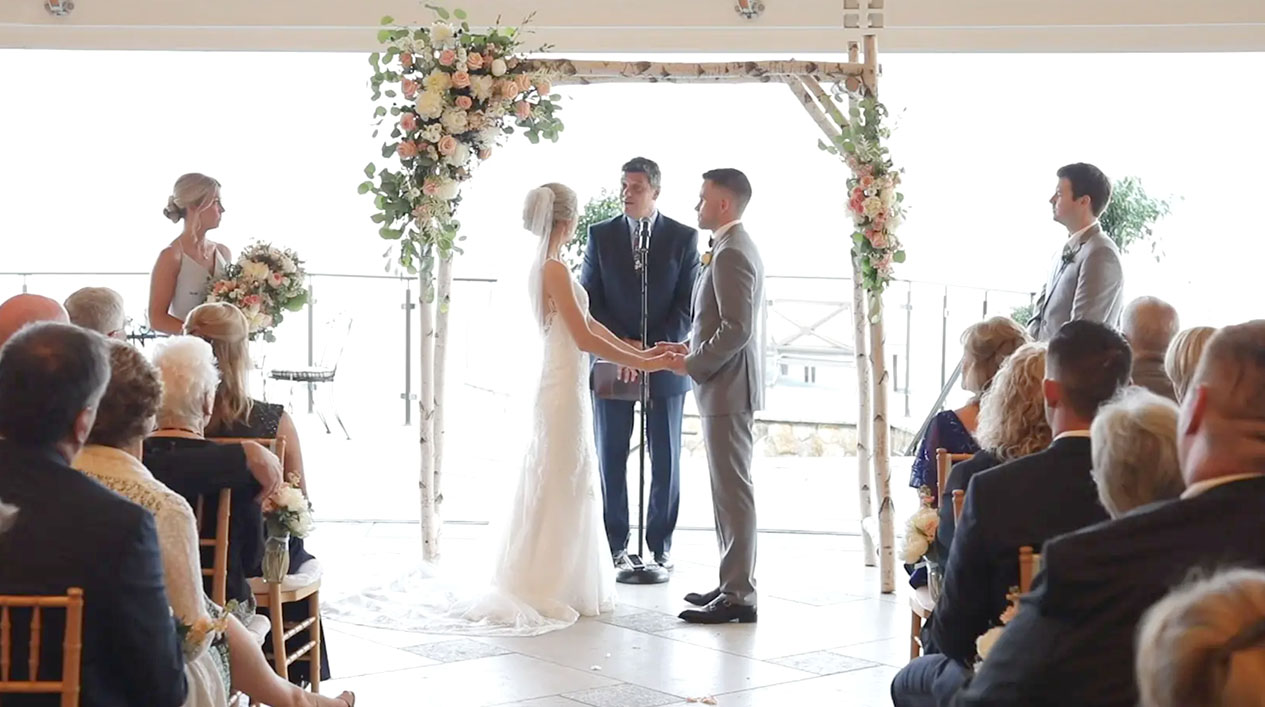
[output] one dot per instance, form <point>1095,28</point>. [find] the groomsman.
<point>1087,282</point>
<point>614,288</point>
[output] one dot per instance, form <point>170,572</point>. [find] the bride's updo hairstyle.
<point>225,328</point>
<point>192,193</point>
<point>547,205</point>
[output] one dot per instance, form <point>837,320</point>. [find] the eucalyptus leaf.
<point>388,20</point>
<point>370,169</point>
<point>459,13</point>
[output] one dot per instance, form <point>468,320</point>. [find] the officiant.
<point>614,287</point>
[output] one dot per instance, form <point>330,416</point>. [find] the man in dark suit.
<point>1072,642</point>
<point>1023,502</point>
<point>614,288</point>
<point>69,531</point>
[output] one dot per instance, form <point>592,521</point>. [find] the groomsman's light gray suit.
<point>724,362</point>
<point>1088,283</point>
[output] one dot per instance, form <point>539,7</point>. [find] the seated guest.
<point>69,531</point>
<point>1012,424</point>
<point>99,309</point>
<point>1204,644</point>
<point>1183,357</point>
<point>1134,442</point>
<point>1023,502</point>
<point>112,457</point>
<point>1150,324</point>
<point>1072,641</point>
<point>186,366</point>
<point>236,414</point>
<point>20,310</point>
<point>984,347</point>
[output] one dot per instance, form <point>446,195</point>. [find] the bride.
<point>552,564</point>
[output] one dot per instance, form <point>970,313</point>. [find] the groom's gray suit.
<point>1088,283</point>
<point>724,362</point>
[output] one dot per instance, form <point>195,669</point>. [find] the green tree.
<point>600,208</point>
<point>1023,314</point>
<point>1131,215</point>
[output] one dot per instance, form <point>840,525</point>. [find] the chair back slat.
<point>959,500</point>
<point>944,465</point>
<point>1027,568</point>
<point>72,645</point>
<point>218,571</point>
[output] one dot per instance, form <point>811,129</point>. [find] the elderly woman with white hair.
<point>1134,443</point>
<point>191,379</point>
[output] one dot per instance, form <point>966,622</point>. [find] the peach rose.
<point>477,120</point>
<point>522,109</point>
<point>474,61</point>
<point>406,59</point>
<point>408,122</point>
<point>461,79</point>
<point>447,57</point>
<point>543,87</point>
<point>512,62</point>
<point>407,149</point>
<point>507,89</point>
<point>523,81</point>
<point>485,153</point>
<point>447,145</point>
<point>430,187</point>
<point>867,181</point>
<point>878,239</point>
<point>464,102</point>
<point>409,86</point>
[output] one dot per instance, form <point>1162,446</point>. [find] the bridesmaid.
<point>183,274</point>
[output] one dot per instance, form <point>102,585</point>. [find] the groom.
<point>614,288</point>
<point>723,360</point>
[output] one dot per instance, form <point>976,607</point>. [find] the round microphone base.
<point>646,574</point>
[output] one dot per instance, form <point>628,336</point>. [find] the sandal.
<point>348,698</point>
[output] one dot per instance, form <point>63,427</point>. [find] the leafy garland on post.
<point>454,94</point>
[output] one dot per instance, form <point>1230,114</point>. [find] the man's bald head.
<point>20,310</point>
<point>1224,416</point>
<point>1150,324</point>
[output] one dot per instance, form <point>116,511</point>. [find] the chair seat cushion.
<point>307,573</point>
<point>921,602</point>
<point>302,375</point>
<point>259,626</point>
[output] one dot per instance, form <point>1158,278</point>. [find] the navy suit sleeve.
<point>961,613</point>
<point>141,626</point>
<point>591,280</point>
<point>682,299</point>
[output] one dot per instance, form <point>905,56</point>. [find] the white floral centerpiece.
<point>288,511</point>
<point>454,93</point>
<point>920,532</point>
<point>265,283</point>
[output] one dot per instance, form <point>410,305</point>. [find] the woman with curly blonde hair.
<point>1012,424</point>
<point>1183,357</point>
<point>1204,644</point>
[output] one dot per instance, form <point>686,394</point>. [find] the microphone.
<point>643,241</point>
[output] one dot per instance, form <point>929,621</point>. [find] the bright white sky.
<point>92,141</point>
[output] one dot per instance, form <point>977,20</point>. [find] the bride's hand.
<point>663,362</point>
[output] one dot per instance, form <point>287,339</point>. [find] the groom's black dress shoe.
<point>702,599</point>
<point>720,611</point>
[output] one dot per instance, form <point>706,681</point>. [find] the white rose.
<point>872,206</point>
<point>482,85</point>
<point>441,33</point>
<point>287,265</point>
<point>498,67</point>
<point>254,270</point>
<point>888,197</point>
<point>454,120</point>
<point>437,81</point>
<point>433,132</point>
<point>915,547</point>
<point>460,156</point>
<point>448,191</point>
<point>430,104</point>
<point>488,136</point>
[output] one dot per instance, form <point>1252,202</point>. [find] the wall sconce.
<point>749,9</point>
<point>60,8</point>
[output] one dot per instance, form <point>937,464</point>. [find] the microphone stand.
<point>638,571</point>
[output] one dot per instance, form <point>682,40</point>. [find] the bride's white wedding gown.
<point>553,563</point>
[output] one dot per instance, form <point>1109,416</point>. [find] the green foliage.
<point>1131,215</point>
<point>1024,313</point>
<point>598,209</point>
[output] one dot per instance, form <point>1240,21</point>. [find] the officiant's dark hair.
<point>1084,179</point>
<point>733,180</point>
<point>648,167</point>
<point>1091,362</point>
<point>49,373</point>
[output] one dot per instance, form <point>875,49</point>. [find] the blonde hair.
<point>1204,644</point>
<point>565,203</point>
<point>1012,421</point>
<point>226,329</point>
<point>97,308</point>
<point>194,192</point>
<point>1134,443</point>
<point>1183,357</point>
<point>985,346</point>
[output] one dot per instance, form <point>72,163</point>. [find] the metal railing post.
<point>944,337</point>
<point>311,341</point>
<point>407,395</point>
<point>985,313</point>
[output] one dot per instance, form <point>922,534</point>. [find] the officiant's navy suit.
<point>614,289</point>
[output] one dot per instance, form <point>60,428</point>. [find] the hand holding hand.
<point>671,347</point>
<point>665,362</point>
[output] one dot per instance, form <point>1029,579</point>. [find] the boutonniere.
<point>707,258</point>
<point>1069,254</point>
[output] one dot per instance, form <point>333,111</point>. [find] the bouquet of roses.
<point>265,283</point>
<point>920,532</point>
<point>288,511</point>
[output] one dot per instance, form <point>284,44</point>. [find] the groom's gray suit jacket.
<point>724,358</point>
<point>1088,283</point>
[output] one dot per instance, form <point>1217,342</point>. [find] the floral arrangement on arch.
<point>873,191</point>
<point>453,93</point>
<point>265,283</point>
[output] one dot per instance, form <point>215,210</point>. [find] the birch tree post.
<point>454,94</point>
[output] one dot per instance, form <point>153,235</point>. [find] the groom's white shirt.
<point>720,232</point>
